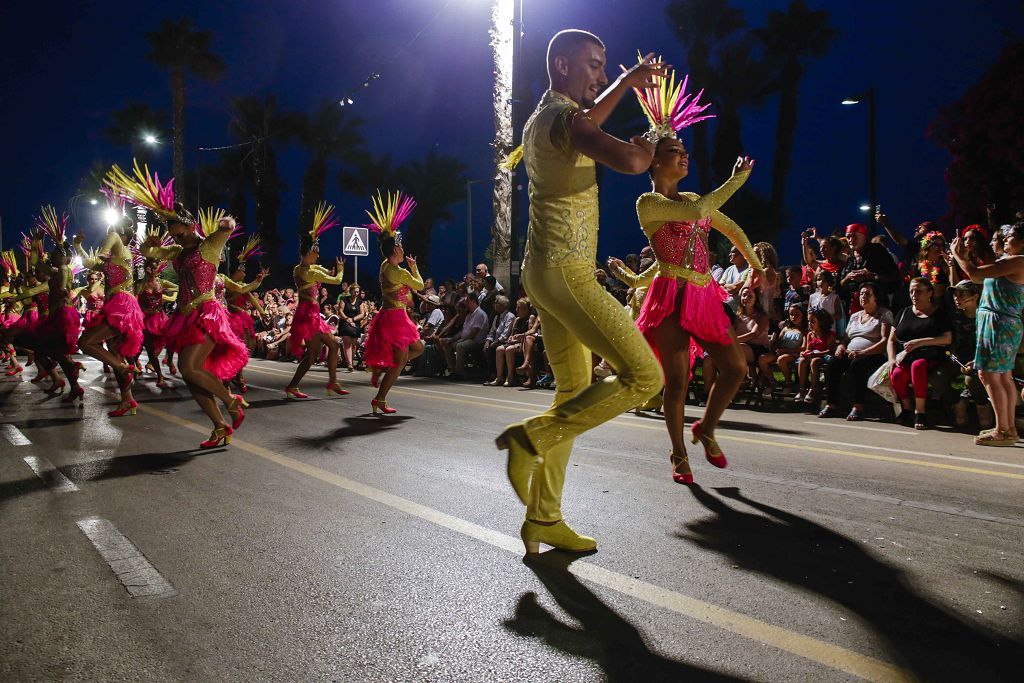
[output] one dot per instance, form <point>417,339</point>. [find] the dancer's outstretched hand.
<point>411,260</point>
<point>644,74</point>
<point>79,238</point>
<point>616,263</point>
<point>743,164</point>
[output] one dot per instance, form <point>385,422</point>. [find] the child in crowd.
<point>786,347</point>
<point>825,298</point>
<point>966,295</point>
<point>796,294</point>
<point>818,343</point>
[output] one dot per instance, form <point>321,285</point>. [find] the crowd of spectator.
<point>813,334</point>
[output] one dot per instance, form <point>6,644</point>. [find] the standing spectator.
<point>861,353</point>
<point>910,249</point>
<point>922,331</point>
<point>352,310</point>
<point>931,265</point>
<point>796,294</point>
<point>482,272</point>
<point>966,295</point>
<point>824,298</point>
<point>999,330</point>
<point>470,338</point>
<point>819,342</point>
<point>499,331</point>
<point>821,253</point>
<point>770,294</point>
<point>867,262</point>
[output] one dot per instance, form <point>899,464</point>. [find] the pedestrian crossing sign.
<point>355,240</point>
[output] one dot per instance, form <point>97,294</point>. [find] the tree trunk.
<point>178,106</point>
<point>268,203</point>
<point>728,145</point>
<point>417,239</point>
<point>700,155</point>
<point>314,187</point>
<point>785,133</point>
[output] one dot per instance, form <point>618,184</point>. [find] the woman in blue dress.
<point>999,329</point>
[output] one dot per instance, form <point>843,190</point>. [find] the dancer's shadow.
<point>933,643</point>
<point>271,403</point>
<point>604,636</point>
<point>361,425</point>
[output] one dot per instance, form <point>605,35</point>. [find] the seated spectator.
<point>488,295</point>
<point>435,317</point>
<point>920,335</point>
<point>470,338</point>
<point>505,354</point>
<point>734,276</point>
<point>786,345</point>
<point>859,355</point>
<point>966,295</point>
<point>278,337</point>
<point>498,333</point>
<point>825,298</point>
<point>819,342</point>
<point>751,328</point>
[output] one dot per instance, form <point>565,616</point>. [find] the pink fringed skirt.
<point>26,323</point>
<point>391,331</point>
<point>122,314</point>
<point>58,333</point>
<point>92,318</point>
<point>242,324</point>
<point>210,319</point>
<point>305,323</point>
<point>155,326</point>
<point>701,311</point>
<point>8,320</point>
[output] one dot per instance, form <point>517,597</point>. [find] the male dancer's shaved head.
<point>565,44</point>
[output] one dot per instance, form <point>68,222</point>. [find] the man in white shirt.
<point>500,331</point>
<point>482,272</point>
<point>733,277</point>
<point>469,339</point>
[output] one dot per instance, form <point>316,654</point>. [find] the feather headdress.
<point>669,108</point>
<point>512,159</point>
<point>9,262</point>
<point>390,212</point>
<point>209,219</point>
<point>323,220</point>
<point>53,226</point>
<point>252,249</point>
<point>143,189</point>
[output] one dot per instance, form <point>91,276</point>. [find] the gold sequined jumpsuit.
<point>577,314</point>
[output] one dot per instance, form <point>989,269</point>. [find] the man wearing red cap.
<point>868,262</point>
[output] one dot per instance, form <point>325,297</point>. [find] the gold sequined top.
<point>116,266</point>
<point>396,283</point>
<point>678,233</point>
<point>307,279</point>
<point>563,188</point>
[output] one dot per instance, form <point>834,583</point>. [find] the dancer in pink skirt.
<point>393,338</point>
<point>309,331</point>
<point>684,303</point>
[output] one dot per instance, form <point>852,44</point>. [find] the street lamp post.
<point>869,95</point>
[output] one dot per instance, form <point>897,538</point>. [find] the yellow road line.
<point>830,655</point>
<point>483,402</point>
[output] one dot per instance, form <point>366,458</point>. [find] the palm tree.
<point>258,124</point>
<point>791,39</point>
<point>700,25</point>
<point>132,123</point>
<point>436,183</point>
<point>224,183</point>
<point>740,80</point>
<point>180,49</point>
<point>329,133</point>
<point>371,174</point>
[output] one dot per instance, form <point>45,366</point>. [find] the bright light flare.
<point>111,215</point>
<point>851,100</point>
<point>150,139</point>
<point>94,202</point>
<point>865,208</point>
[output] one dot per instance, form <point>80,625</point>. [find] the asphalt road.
<point>327,544</point>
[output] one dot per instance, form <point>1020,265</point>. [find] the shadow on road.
<point>920,635</point>
<point>604,636</point>
<point>361,425</point>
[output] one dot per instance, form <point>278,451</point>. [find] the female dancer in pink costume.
<point>94,297</point>
<point>11,309</point>
<point>199,331</point>
<point>309,331</point>
<point>55,338</point>
<point>393,338</point>
<point>153,293</point>
<point>121,318</point>
<point>683,302</point>
<point>242,297</point>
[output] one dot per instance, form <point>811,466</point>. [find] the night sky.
<point>66,66</point>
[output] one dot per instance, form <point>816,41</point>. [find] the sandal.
<point>828,411</point>
<point>854,416</point>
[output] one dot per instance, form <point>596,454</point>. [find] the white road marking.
<point>15,436</point>
<point>131,568</point>
<point>53,477</point>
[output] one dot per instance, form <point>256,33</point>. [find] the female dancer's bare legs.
<point>92,344</point>
<point>203,384</point>
<point>673,344</point>
<point>731,366</point>
<point>402,358</point>
<point>316,342</point>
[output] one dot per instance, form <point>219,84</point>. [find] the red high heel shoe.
<point>38,378</point>
<point>382,406</point>
<point>216,436</point>
<point>14,371</point>
<point>712,451</point>
<point>237,412</point>
<point>75,395</point>
<point>172,368</point>
<point>293,392</point>
<point>335,388</point>
<point>124,410</point>
<point>677,476</point>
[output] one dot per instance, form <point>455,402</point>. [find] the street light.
<point>869,95</point>
<point>111,215</point>
<point>865,207</point>
<point>150,139</point>
<point>94,201</point>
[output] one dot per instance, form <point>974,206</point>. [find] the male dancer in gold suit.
<point>562,141</point>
